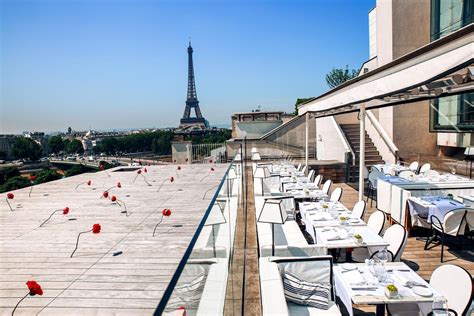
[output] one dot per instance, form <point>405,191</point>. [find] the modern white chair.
<point>327,187</point>
<point>425,168</point>
<point>311,175</point>
<point>318,180</point>
<point>359,209</point>
<point>432,173</point>
<point>336,195</point>
<point>453,224</point>
<point>450,281</point>
<point>406,174</point>
<point>300,165</point>
<point>374,175</point>
<point>396,236</point>
<point>414,166</point>
<point>376,222</point>
<point>304,169</point>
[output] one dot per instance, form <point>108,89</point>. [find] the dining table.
<point>427,206</point>
<point>363,284</point>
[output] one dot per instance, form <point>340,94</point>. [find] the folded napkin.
<point>339,234</point>
<point>321,216</point>
<point>353,277</point>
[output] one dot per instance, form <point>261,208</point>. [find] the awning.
<point>443,67</point>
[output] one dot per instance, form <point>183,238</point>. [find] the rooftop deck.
<point>95,281</point>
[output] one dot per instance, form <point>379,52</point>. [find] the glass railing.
<point>198,287</point>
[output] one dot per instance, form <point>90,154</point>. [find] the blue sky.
<point>123,63</point>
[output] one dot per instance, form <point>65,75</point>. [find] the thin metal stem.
<point>146,181</point>
<point>14,309</point>
<point>9,204</point>
<point>206,176</point>
<point>136,177</point>
<point>48,218</point>
<point>154,230</point>
<point>161,185</point>
<point>31,189</point>
<point>77,241</point>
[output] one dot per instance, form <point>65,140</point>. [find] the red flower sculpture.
<point>119,185</point>
<point>210,160</point>
<point>183,310</point>
<point>95,230</point>
<point>211,170</point>
<point>65,212</point>
<point>32,177</point>
<point>139,172</point>
<point>179,168</point>
<point>102,168</point>
<point>113,198</point>
<point>171,179</point>
<point>33,289</point>
<point>10,196</point>
<point>32,180</point>
<point>145,170</point>
<point>88,182</point>
<point>105,194</point>
<point>166,212</point>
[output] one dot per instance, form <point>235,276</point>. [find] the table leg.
<point>380,311</point>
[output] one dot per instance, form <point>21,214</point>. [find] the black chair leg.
<point>442,248</point>
<point>428,239</point>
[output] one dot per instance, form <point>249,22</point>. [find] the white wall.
<point>329,144</point>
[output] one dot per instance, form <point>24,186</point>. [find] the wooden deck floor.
<point>97,280</point>
<point>422,261</point>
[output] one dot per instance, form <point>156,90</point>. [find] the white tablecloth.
<point>432,205</point>
<point>346,281</point>
<point>327,236</point>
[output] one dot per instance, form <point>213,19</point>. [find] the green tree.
<point>298,102</point>
<point>75,147</point>
<point>14,183</point>
<point>7,173</point>
<point>338,76</point>
<point>55,144</point>
<point>46,175</point>
<point>75,170</point>
<point>26,148</point>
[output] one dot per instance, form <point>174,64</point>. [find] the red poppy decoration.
<point>89,182</point>
<point>166,212</point>
<point>114,198</point>
<point>145,170</point>
<point>101,167</point>
<point>186,160</point>
<point>65,210</point>
<point>179,168</point>
<point>210,160</point>
<point>95,228</point>
<point>32,178</point>
<point>105,194</point>
<point>172,179</point>
<point>139,171</point>
<point>10,196</point>
<point>119,185</point>
<point>34,287</point>
<point>183,310</point>
<point>212,169</point>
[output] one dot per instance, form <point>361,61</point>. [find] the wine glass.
<point>440,306</point>
<point>382,256</point>
<point>453,171</point>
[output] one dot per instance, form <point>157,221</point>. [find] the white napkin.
<point>321,216</point>
<point>400,279</point>
<point>339,234</point>
<point>353,277</point>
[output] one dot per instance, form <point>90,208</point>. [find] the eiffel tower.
<point>192,102</point>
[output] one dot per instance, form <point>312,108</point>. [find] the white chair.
<point>396,236</point>
<point>414,166</point>
<point>432,173</point>
<point>308,269</point>
<point>453,224</point>
<point>303,170</point>
<point>374,175</point>
<point>318,180</point>
<point>425,168</point>
<point>336,195</point>
<point>327,187</point>
<point>406,174</point>
<point>299,166</point>
<point>376,222</point>
<point>450,281</point>
<point>311,175</point>
<point>359,209</point>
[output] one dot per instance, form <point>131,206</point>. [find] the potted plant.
<point>358,239</point>
<point>325,207</point>
<point>343,220</point>
<point>391,291</point>
<point>306,191</point>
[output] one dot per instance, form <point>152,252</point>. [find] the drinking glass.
<point>440,306</point>
<point>382,256</point>
<point>453,171</point>
<point>380,273</point>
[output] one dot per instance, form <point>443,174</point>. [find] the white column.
<point>362,152</point>
<point>306,142</point>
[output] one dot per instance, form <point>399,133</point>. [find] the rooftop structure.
<point>122,270</point>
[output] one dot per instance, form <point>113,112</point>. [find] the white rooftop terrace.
<point>95,281</point>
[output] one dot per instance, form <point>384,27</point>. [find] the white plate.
<point>353,220</point>
<point>422,291</point>
<point>349,266</point>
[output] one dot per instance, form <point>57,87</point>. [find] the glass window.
<point>453,113</point>
<point>449,15</point>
